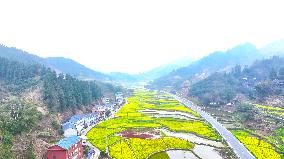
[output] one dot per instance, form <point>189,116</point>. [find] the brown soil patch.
<point>140,134</point>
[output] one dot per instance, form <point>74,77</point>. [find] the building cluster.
<point>109,106</point>
<point>77,123</point>
<point>71,146</point>
<point>249,82</point>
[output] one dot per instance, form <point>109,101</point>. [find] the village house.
<point>278,83</point>
<point>69,129</point>
<point>99,110</point>
<point>77,123</point>
<point>119,98</point>
<point>89,119</point>
<point>67,148</point>
<point>106,101</point>
<point>249,82</point>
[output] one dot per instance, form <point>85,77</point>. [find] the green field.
<point>274,111</point>
<point>260,148</point>
<point>108,134</point>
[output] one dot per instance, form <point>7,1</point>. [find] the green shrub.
<point>55,125</point>
<point>160,155</point>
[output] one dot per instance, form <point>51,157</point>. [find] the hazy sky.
<point>134,36</point>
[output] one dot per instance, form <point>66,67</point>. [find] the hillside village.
<point>75,128</point>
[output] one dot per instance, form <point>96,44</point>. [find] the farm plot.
<point>258,147</point>
<point>274,111</point>
<point>134,134</point>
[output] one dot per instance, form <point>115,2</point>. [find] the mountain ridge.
<point>242,54</point>
<point>59,64</point>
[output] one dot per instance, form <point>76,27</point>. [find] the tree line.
<point>60,91</point>
<point>64,91</point>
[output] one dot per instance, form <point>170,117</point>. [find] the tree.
<point>237,70</point>
<point>6,152</point>
<point>30,151</point>
<point>7,138</point>
<point>63,92</point>
<point>263,89</point>
<point>246,112</point>
<point>273,74</point>
<point>281,71</point>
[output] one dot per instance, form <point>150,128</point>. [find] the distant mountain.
<point>164,69</point>
<point>259,80</point>
<point>152,74</point>
<point>275,48</point>
<point>218,61</point>
<point>123,77</point>
<point>15,54</point>
<point>74,68</point>
<point>58,64</point>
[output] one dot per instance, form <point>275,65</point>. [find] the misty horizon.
<point>173,61</point>
<point>135,37</point>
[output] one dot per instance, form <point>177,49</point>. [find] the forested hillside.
<point>264,78</point>
<point>218,61</point>
<point>60,92</point>
<point>19,76</point>
<point>15,54</point>
<point>74,68</point>
<point>249,102</point>
<point>63,91</point>
<point>60,64</point>
<point>17,117</point>
<point>25,121</point>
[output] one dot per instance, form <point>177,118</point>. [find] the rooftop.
<point>68,125</point>
<point>75,118</point>
<point>66,143</point>
<point>89,115</point>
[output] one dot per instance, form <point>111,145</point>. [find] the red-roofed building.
<point>67,148</point>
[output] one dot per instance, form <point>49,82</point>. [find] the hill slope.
<point>164,69</point>
<point>218,61</point>
<point>59,64</point>
<point>74,68</point>
<point>34,100</point>
<point>258,81</point>
<point>19,55</point>
<point>274,48</point>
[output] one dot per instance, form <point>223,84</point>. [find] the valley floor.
<point>154,125</point>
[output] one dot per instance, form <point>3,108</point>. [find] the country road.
<point>240,150</point>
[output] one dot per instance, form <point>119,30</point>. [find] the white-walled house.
<point>89,119</point>
<point>69,129</point>
<point>77,123</point>
<point>70,132</point>
<point>106,100</point>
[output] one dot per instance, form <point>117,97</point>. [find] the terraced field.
<point>273,111</point>
<point>151,124</point>
<point>262,144</point>
<point>258,147</point>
